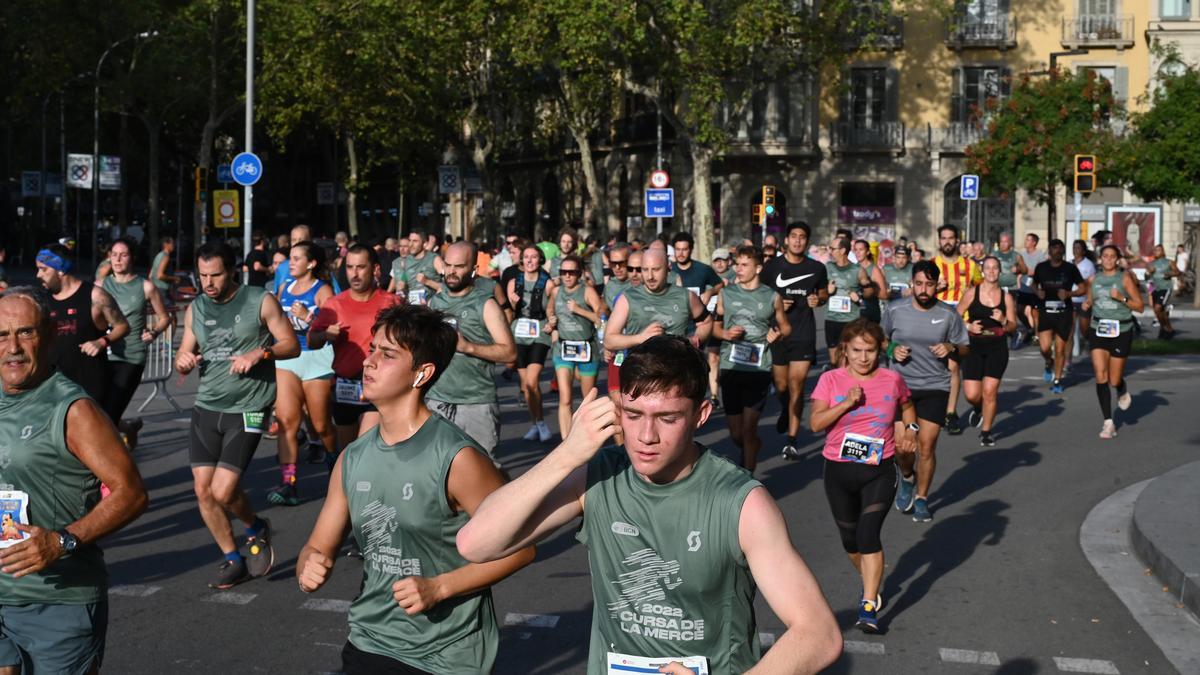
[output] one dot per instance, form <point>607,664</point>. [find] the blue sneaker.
<point>906,489</point>
<point>1048,375</point>
<point>867,620</point>
<point>921,512</point>
<point>1057,387</point>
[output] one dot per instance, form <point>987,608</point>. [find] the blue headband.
<point>53,261</point>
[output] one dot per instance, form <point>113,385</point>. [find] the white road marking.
<point>227,598</point>
<point>531,620</point>
<point>857,647</point>
<point>1086,666</point>
<point>326,605</point>
<point>766,639</point>
<point>969,656</point>
<point>134,590</point>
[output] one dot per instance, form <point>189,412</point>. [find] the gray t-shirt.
<point>905,324</point>
<point>1031,263</point>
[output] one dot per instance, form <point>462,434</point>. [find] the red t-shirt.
<point>872,419</point>
<point>355,318</point>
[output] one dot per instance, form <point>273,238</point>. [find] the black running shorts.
<point>227,440</point>
<point>931,404</point>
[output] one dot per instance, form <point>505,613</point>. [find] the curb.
<point>1171,490</point>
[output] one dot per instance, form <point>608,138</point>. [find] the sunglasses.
<point>568,272</point>
<point>635,269</point>
<point>617,263</point>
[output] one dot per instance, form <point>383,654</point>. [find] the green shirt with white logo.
<point>612,289</point>
<point>572,326</point>
<point>897,280</point>
<point>404,525</point>
<point>753,311</point>
<point>1159,268</point>
<point>225,331</point>
<point>668,308</point>
<point>669,577</point>
<point>131,298</point>
<point>1008,278</point>
<point>1104,306</point>
<point>846,279</point>
<point>468,379</point>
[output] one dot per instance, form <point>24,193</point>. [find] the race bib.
<point>1108,328</point>
<point>253,422</point>
<point>839,304</point>
<point>417,296</point>
<point>619,358</point>
<point>862,449</point>
<point>694,289</point>
<point>348,391</point>
<point>897,289</point>
<point>14,510</point>
<point>712,303</point>
<point>623,664</point>
<point>746,353</point>
<point>1055,306</point>
<point>528,328</point>
<point>576,351</point>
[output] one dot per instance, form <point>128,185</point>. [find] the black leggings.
<point>860,496</point>
<point>123,382</point>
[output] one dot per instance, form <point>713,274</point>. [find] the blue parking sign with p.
<point>969,187</point>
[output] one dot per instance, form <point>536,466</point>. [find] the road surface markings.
<point>227,598</point>
<point>858,647</point>
<point>134,590</point>
<point>531,620</point>
<point>326,605</point>
<point>1086,666</point>
<point>969,656</point>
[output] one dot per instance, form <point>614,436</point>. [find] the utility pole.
<point>248,212</point>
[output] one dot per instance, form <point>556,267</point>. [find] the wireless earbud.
<point>420,378</point>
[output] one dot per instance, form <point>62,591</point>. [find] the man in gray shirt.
<point>922,333</point>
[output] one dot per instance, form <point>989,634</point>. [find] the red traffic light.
<point>1085,163</point>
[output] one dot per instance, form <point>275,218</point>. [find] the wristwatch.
<point>67,541</point>
<point>913,427</point>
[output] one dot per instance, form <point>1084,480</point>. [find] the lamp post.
<point>96,139</point>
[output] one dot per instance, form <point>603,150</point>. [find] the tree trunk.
<point>352,188</point>
<point>595,211</point>
<point>1051,211</point>
<point>702,214</point>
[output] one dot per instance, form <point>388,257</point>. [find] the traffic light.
<point>756,213</point>
<point>201,175</point>
<point>768,200</point>
<point>1085,173</point>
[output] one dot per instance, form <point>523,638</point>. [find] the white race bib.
<point>619,358</point>
<point>576,351</point>
<point>14,509</point>
<point>694,289</point>
<point>1055,306</point>
<point>712,303</point>
<point>898,289</point>
<point>624,664</point>
<point>839,304</point>
<point>746,353</point>
<point>528,328</point>
<point>862,449</point>
<point>417,296</point>
<point>348,391</point>
<point>1108,328</point>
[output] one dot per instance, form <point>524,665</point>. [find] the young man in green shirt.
<point>678,538</point>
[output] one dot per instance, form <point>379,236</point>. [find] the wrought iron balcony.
<point>880,137</point>
<point>956,137</point>
<point>1098,30</point>
<point>998,32</point>
<point>884,33</point>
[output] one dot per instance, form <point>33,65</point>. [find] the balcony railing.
<point>880,137</point>
<point>999,32</point>
<point>1098,30</point>
<point>887,34</point>
<point>956,137</point>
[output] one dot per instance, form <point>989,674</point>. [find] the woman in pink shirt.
<point>858,406</point>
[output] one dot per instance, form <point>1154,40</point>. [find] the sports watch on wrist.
<point>913,427</point>
<point>67,541</point>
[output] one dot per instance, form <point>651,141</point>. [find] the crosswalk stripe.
<point>1068,665</point>
<point>227,598</point>
<point>969,656</point>
<point>134,590</point>
<point>531,620</point>
<point>326,605</point>
<point>858,647</point>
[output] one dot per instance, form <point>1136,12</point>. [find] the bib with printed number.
<point>898,289</point>
<point>416,296</point>
<point>14,510</point>
<point>839,304</point>
<point>862,449</point>
<point>623,664</point>
<point>1108,328</point>
<point>528,328</point>
<point>746,353</point>
<point>576,351</point>
<point>1055,306</point>
<point>349,391</point>
<point>253,422</point>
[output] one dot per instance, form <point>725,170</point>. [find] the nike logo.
<point>937,321</point>
<point>780,281</point>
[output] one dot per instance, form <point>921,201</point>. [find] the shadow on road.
<point>1027,406</point>
<point>1144,403</point>
<point>526,650</point>
<point>983,469</point>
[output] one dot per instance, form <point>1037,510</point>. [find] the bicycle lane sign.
<point>247,168</point>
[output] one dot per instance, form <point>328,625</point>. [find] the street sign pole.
<point>1078,218</point>
<point>968,227</point>
<point>248,215</point>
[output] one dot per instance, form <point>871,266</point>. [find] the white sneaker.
<point>532,434</point>
<point>543,431</point>
<point>1109,430</point>
<point>1124,401</point>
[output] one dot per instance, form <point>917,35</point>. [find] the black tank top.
<point>73,323</point>
<point>977,311</point>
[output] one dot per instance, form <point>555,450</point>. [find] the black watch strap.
<point>67,541</point>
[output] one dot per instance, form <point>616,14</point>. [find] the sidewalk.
<point>1166,532</point>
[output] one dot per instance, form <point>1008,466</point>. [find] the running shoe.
<point>544,433</point>
<point>532,434</point>
<point>230,574</point>
<point>1048,374</point>
<point>284,495</point>
<point>905,491</point>
<point>1016,340</point>
<point>1124,401</point>
<point>952,426</point>
<point>790,453</point>
<point>974,417</point>
<point>986,439</point>
<point>1109,430</point>
<point>316,454</point>
<point>272,431</point>
<point>921,512</point>
<point>781,424</point>
<point>262,554</point>
<point>1057,387</point>
<point>867,619</point>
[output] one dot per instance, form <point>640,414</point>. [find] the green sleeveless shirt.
<point>423,265</point>
<point>223,332</point>
<point>1158,268</point>
<point>668,574</point>
<point>612,289</point>
<point>751,310</point>
<point>669,309</point>
<point>34,459</point>
<point>572,326</point>
<point>846,279</point>
<point>131,298</point>
<point>896,279</point>
<point>162,286</point>
<point>468,379</point>
<point>1104,306</point>
<point>1008,278</point>
<point>403,522</point>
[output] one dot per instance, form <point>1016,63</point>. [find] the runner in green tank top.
<point>1113,296</point>
<point>421,276</point>
<point>227,333</point>
<point>750,318</point>
<point>654,308</point>
<point>136,297</point>
<point>158,268</point>
<point>405,488</point>
<point>57,446</point>
<point>898,276</point>
<point>678,538</point>
<point>1010,263</point>
<point>574,311</point>
<point>846,283</point>
<point>1162,271</point>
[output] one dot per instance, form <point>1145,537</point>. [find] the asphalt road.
<point>996,583</point>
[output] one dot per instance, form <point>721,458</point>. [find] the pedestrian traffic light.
<point>756,212</point>
<point>1085,173</point>
<point>768,200</point>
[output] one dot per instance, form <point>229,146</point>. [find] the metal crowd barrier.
<point>160,366</point>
